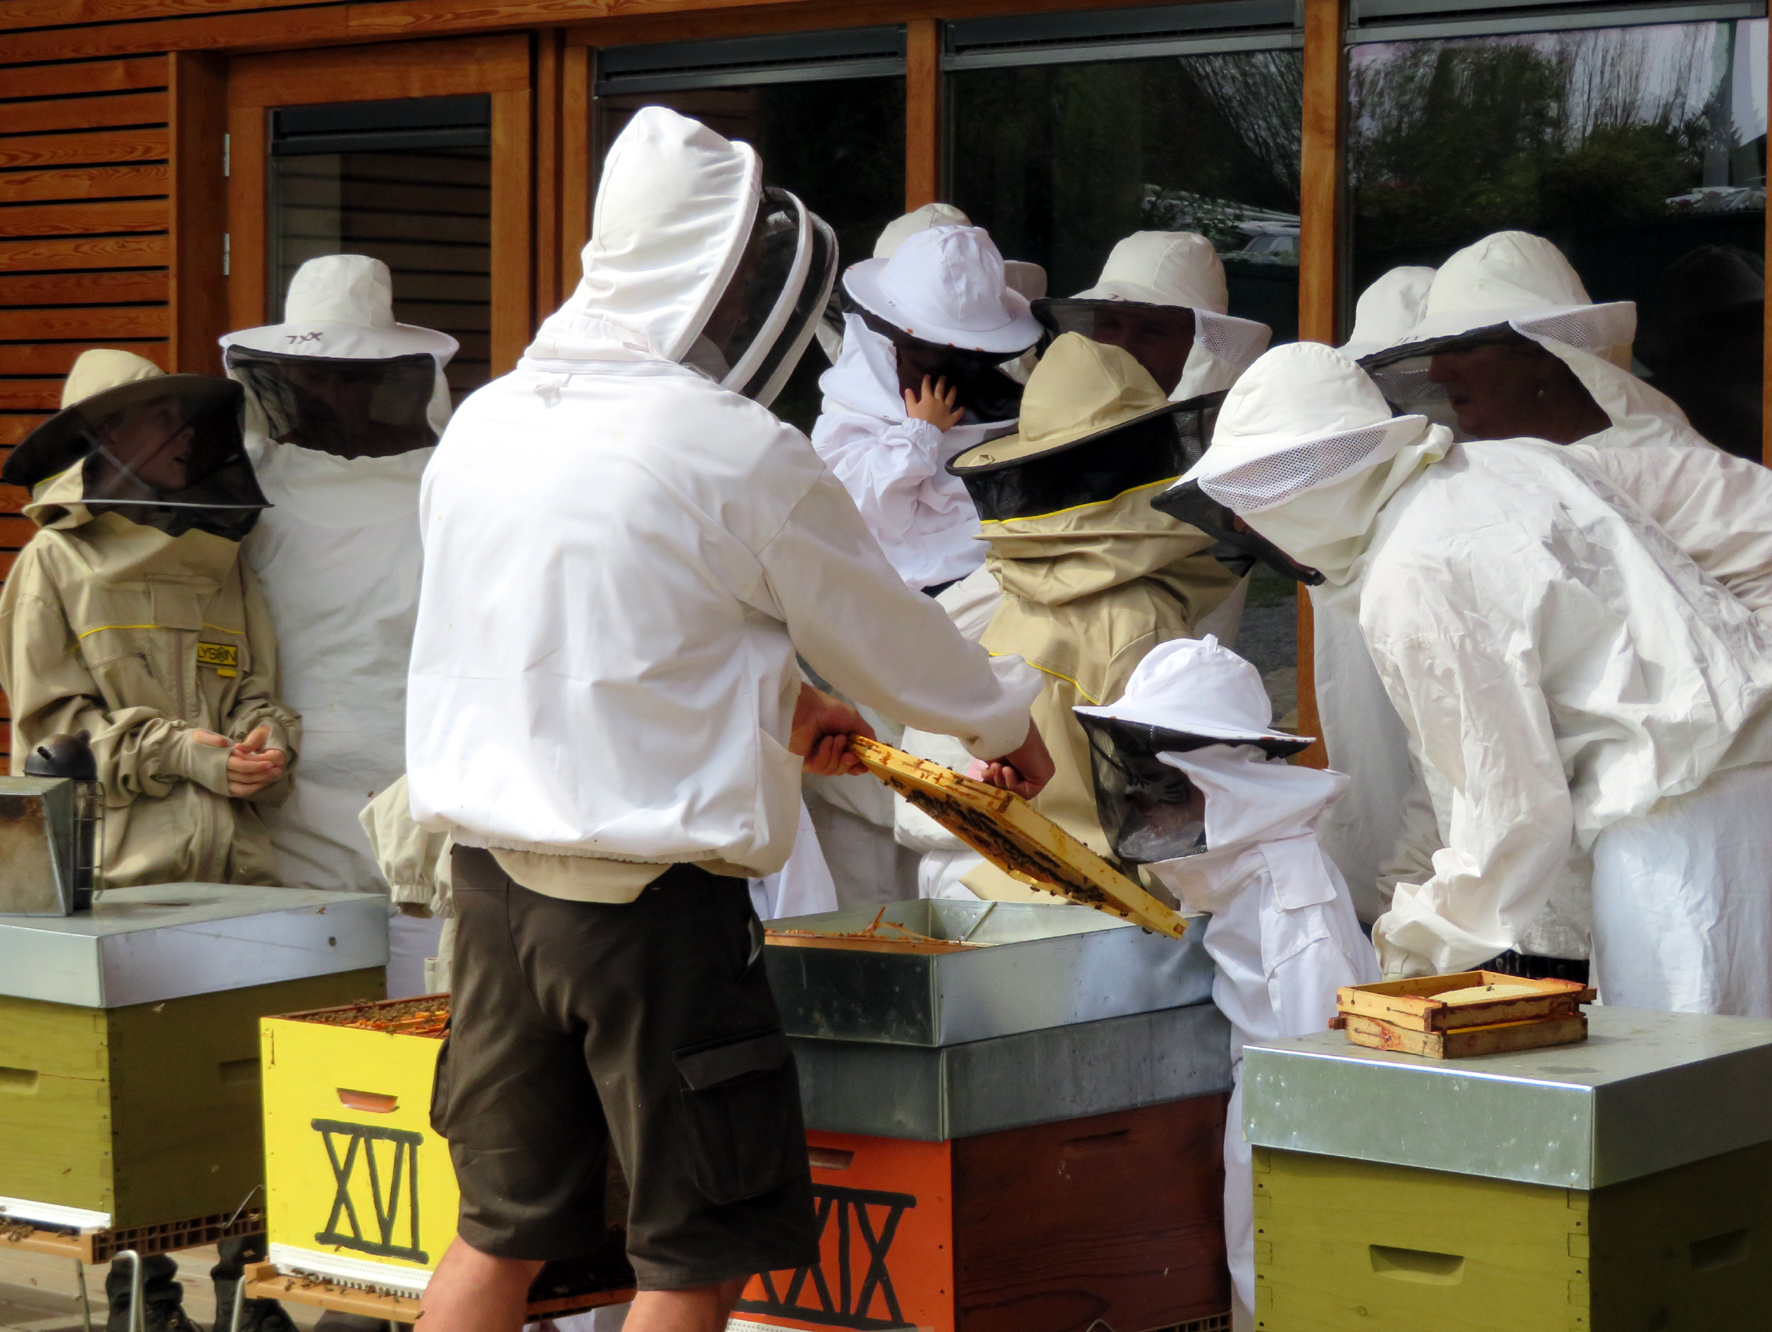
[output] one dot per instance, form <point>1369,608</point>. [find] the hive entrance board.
<point>1015,837</point>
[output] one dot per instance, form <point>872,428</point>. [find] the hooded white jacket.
<point>894,466</point>
<point>622,558</point>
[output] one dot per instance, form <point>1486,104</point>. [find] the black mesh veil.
<point>349,407</point>
<point>774,301</point>
<point>1149,811</point>
<point>166,452</point>
<point>1097,468</point>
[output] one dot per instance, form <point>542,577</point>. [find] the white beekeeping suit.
<point>1508,286</point>
<point>345,409</point>
<point>1191,781</point>
<point>1590,702</point>
<point>939,308</point>
<point>689,575</point>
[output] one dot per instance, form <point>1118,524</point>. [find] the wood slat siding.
<point>84,221</point>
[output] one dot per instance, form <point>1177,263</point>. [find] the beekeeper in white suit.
<point>1505,341</point>
<point>1596,709</point>
<point>345,407</point>
<point>625,553</point>
<point>1191,783</point>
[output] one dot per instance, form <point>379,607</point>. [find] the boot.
<point>163,1298</point>
<point>235,1253</point>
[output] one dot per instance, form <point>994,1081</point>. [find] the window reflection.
<point>1060,161</point>
<point>1641,152</point>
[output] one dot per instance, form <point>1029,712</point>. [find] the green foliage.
<point>1452,141</point>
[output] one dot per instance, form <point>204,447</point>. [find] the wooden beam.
<point>1319,259</point>
<point>548,140</point>
<point>1320,173</point>
<point>512,263</point>
<point>922,113</point>
<point>248,208</point>
<point>199,210</point>
<point>274,25</point>
<point>577,170</point>
<point>381,73</point>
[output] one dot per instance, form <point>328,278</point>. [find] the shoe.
<point>163,1298</point>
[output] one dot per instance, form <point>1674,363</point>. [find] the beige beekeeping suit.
<point>141,639</point>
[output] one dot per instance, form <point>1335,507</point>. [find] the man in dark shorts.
<point>624,553</point>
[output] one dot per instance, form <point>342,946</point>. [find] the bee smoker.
<point>52,831</point>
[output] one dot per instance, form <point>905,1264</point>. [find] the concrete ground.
<point>1268,637</point>
<point>39,1293</point>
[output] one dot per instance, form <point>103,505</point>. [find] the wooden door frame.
<point>499,66</point>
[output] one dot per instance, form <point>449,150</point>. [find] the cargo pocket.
<point>740,1102</point>
<point>440,1092</point>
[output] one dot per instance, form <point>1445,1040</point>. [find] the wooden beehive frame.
<point>1410,1004</point>
<point>1015,837</point>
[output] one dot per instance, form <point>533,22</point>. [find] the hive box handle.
<point>829,1158</point>
<point>1418,1265</point>
<point>1720,1251</point>
<point>20,1080</point>
<point>375,1103</point>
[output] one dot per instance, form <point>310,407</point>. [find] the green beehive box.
<point>129,1074</point>
<point>1622,1185</point>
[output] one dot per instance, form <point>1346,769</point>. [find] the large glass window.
<point>1060,155</point>
<point>834,135</point>
<point>1059,161</point>
<point>1640,151</point>
<point>408,182</point>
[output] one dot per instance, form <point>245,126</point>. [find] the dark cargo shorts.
<point>647,1025</point>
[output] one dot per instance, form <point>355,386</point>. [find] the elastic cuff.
<point>206,765</point>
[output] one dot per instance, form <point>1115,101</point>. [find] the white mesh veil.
<point>1277,477</point>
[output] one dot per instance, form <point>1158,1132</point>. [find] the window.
<point>1067,134</point>
<point>408,182</point>
<point>1640,151</point>
<point>824,110</point>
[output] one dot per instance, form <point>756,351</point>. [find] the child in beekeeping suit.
<point>1191,783</point>
<point>131,616</point>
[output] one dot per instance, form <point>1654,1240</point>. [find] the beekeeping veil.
<point>693,259</point>
<point>1164,289</point>
<point>339,375</point>
<point>1512,286</point>
<point>1186,695</point>
<point>162,450</point>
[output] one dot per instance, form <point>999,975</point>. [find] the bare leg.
<point>704,1309</point>
<point>476,1292</point>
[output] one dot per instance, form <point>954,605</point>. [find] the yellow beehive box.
<point>140,1114</point>
<point>358,1185</point>
<point>1355,1246</point>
